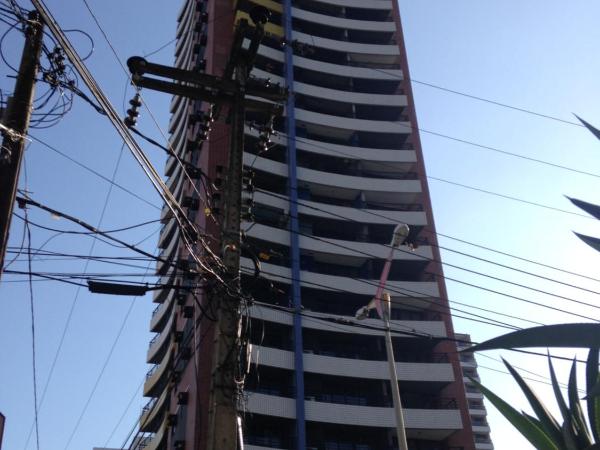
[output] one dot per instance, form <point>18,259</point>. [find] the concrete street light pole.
<point>383,304</point>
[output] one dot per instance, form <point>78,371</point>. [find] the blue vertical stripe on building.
<point>294,228</point>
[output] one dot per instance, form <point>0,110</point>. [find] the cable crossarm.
<point>186,225</point>
<point>27,201</point>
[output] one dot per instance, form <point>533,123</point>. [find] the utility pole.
<point>16,125</point>
<point>228,90</point>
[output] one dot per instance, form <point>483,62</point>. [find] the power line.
<point>462,185</point>
<point>486,147</point>
<point>33,353</point>
<point>94,172</point>
<point>104,366</point>
<point>493,102</point>
<point>454,266</point>
<point>403,292</point>
<point>366,211</point>
<point>76,296</point>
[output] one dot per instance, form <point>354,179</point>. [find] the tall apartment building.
<point>344,169</point>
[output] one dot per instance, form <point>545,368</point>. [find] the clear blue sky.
<point>537,55</point>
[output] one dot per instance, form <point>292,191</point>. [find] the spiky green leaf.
<point>568,428</point>
<point>594,130</point>
<point>529,429</point>
<point>590,208</point>
<point>583,435</point>
<point>580,335</point>
<point>593,401</point>
<point>547,422</point>
<point>589,240</point>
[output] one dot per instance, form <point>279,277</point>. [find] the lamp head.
<point>362,313</point>
<point>400,234</point>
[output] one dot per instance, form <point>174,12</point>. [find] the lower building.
<point>477,410</point>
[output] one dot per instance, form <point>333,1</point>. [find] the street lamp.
<point>383,304</point>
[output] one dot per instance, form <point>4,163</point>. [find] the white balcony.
<point>394,159</point>
<point>375,4</point>
<point>348,123</point>
<point>159,438</point>
<point>341,22</point>
<point>429,328</point>
<point>157,375</point>
<point>351,252</point>
<point>372,50</point>
<point>168,233</point>
<point>355,368</point>
<point>481,429</point>
<point>160,295</point>
<point>367,216</point>
<point>484,446</point>
<point>332,69</point>
<point>419,294</point>
<point>351,185</point>
<point>358,98</point>
<point>159,344</point>
<point>151,415</point>
<point>162,313</point>
<point>478,412</point>
<point>432,424</point>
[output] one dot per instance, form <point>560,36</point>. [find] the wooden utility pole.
<point>16,125</point>
<point>229,90</point>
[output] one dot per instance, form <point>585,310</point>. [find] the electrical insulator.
<point>246,208</point>
<point>133,112</point>
<point>193,172</point>
<point>248,180</point>
<point>211,113</point>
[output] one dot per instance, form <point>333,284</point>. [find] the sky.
<point>538,56</point>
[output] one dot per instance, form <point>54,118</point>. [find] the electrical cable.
<point>33,352</point>
<point>462,185</point>
<point>185,225</point>
<point>94,172</point>
<point>339,321</point>
<point>397,290</point>
<point>484,147</point>
<point>461,268</point>
<point>26,201</point>
<point>103,369</point>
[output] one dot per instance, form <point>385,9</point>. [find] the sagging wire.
<point>56,101</point>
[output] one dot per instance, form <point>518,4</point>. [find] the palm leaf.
<point>590,208</point>
<point>546,421</point>
<point>583,435</point>
<point>594,131</point>
<point>529,429</point>
<point>592,384</point>
<point>580,335</point>
<point>589,240</point>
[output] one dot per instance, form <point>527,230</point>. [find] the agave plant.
<point>590,208</point>
<point>543,430</point>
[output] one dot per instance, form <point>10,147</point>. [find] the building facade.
<point>345,167</point>
<point>477,410</point>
